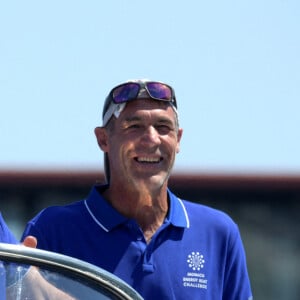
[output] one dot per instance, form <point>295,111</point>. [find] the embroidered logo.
<point>196,261</point>
<point>195,278</point>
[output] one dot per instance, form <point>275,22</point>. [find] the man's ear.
<point>102,138</point>
<point>179,136</point>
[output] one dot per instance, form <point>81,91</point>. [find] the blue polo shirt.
<point>197,253</point>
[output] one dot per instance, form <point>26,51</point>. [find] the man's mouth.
<point>148,160</point>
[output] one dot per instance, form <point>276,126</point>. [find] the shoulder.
<point>55,223</point>
<point>203,215</point>
<point>63,216</point>
<point>204,210</point>
<point>56,214</point>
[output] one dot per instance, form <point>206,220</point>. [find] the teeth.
<point>148,159</point>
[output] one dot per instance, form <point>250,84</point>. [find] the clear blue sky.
<point>235,67</point>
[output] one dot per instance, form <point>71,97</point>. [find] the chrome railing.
<point>75,279</point>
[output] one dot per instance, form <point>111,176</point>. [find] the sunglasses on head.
<point>132,90</point>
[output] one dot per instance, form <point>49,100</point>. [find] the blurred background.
<point>235,67</point>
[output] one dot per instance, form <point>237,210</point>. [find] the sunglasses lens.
<point>159,91</point>
<point>126,92</point>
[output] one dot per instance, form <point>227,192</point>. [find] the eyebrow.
<point>132,119</point>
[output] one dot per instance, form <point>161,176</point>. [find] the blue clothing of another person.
<point>196,254</point>
<point>6,236</point>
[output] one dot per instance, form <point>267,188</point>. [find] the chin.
<point>154,181</point>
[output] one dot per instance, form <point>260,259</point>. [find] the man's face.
<point>143,143</point>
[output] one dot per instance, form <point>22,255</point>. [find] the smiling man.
<point>134,226</point>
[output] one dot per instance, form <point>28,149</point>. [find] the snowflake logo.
<point>196,261</point>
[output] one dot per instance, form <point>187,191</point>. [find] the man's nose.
<point>151,136</point>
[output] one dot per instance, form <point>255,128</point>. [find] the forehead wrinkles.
<point>149,116</point>
<point>149,107</point>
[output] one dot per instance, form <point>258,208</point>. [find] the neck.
<point>148,209</point>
